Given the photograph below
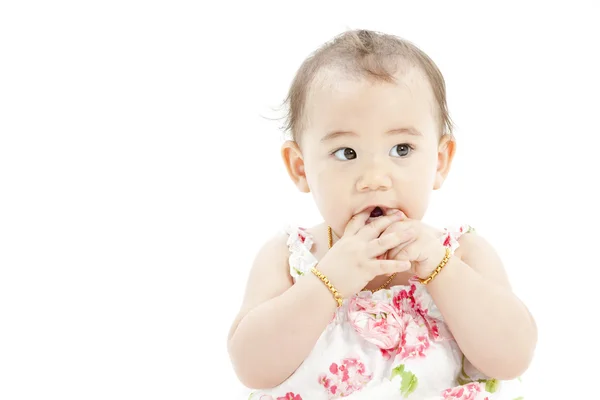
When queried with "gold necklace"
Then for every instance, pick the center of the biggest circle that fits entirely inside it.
(330, 237)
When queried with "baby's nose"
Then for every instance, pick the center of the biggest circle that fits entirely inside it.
(374, 179)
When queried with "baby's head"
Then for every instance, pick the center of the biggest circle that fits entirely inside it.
(369, 127)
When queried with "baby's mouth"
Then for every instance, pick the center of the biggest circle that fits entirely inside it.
(377, 212)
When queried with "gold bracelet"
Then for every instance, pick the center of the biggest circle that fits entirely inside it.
(336, 295)
(438, 269)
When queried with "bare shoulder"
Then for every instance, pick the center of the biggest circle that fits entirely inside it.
(269, 274)
(268, 277)
(478, 253)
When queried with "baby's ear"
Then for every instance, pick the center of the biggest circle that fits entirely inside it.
(294, 163)
(446, 150)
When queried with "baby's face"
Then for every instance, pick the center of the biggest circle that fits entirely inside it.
(371, 144)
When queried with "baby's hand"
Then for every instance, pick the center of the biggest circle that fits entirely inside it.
(425, 251)
(355, 260)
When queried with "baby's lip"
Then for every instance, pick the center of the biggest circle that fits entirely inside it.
(370, 208)
(386, 211)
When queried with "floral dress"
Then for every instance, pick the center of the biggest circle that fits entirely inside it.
(391, 344)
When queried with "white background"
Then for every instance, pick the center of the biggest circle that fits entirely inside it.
(140, 173)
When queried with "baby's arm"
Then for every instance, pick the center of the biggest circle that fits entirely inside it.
(493, 328)
(279, 323)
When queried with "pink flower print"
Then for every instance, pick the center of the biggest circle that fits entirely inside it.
(464, 392)
(465, 229)
(302, 234)
(407, 303)
(288, 396)
(448, 240)
(345, 378)
(413, 345)
(387, 354)
(376, 321)
(419, 328)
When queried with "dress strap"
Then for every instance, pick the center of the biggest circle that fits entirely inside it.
(453, 233)
(299, 243)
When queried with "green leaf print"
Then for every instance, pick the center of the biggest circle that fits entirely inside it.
(491, 385)
(409, 380)
(409, 383)
(397, 371)
(300, 273)
(519, 398)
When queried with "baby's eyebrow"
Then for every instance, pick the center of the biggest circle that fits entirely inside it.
(409, 130)
(336, 134)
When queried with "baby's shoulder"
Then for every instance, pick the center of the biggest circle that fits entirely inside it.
(477, 251)
(274, 247)
(279, 248)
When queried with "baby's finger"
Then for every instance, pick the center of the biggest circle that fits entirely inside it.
(375, 228)
(387, 267)
(355, 223)
(387, 242)
(400, 226)
(401, 252)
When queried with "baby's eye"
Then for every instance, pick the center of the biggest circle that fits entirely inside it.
(401, 150)
(345, 153)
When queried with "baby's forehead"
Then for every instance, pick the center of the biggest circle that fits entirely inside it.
(337, 97)
(333, 83)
